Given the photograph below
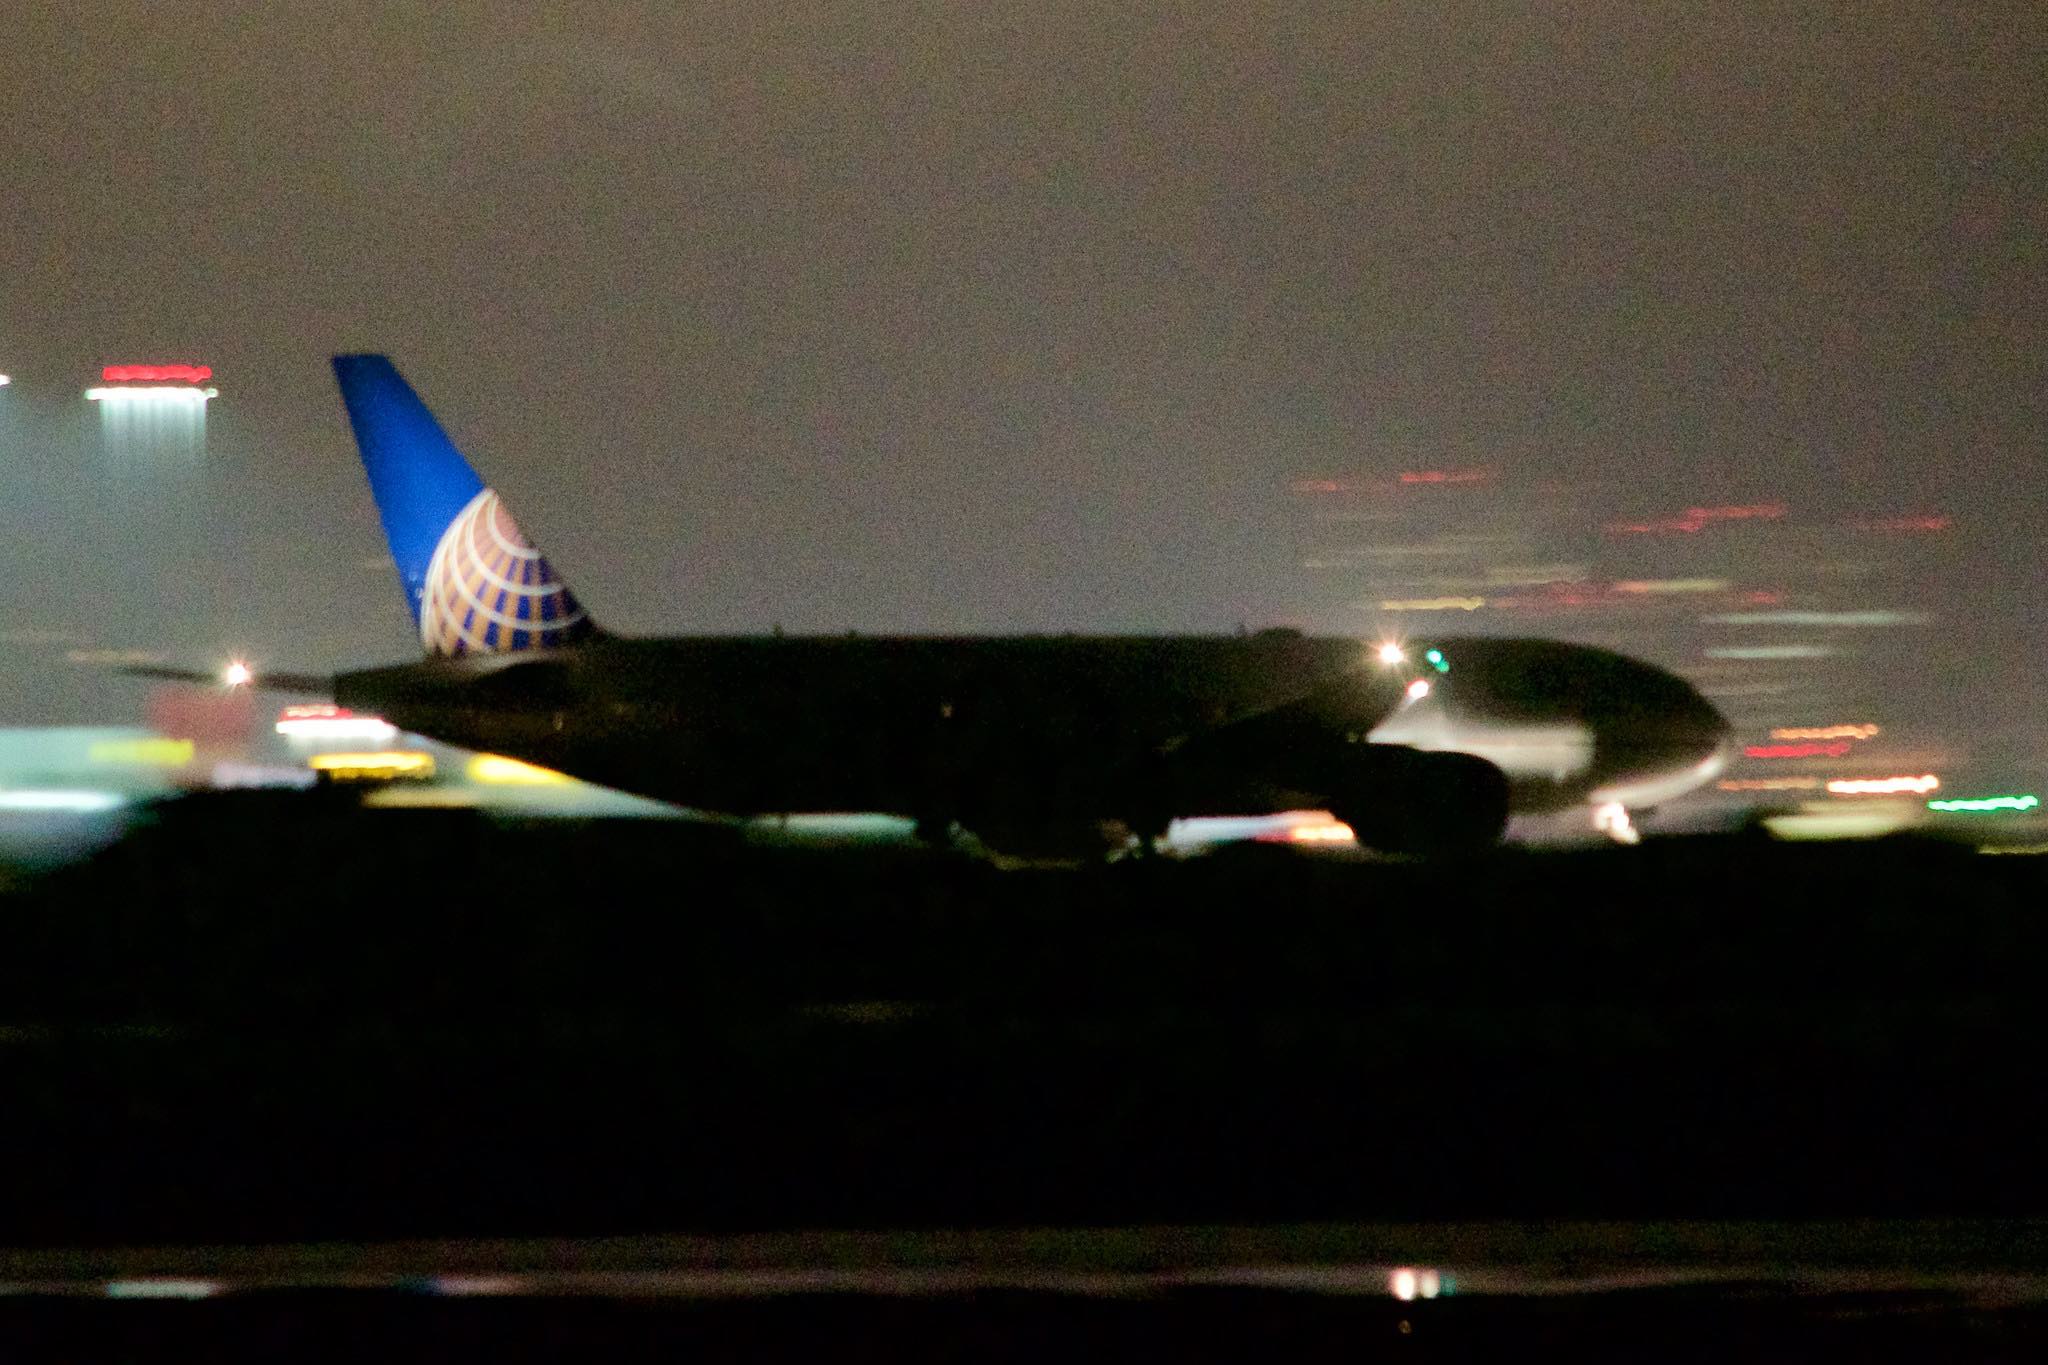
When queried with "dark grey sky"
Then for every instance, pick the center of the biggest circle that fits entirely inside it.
(965, 316)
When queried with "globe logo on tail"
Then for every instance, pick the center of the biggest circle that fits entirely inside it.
(488, 591)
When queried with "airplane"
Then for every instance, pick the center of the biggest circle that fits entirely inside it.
(1035, 743)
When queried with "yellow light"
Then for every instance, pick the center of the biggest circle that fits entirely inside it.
(153, 753)
(1884, 786)
(500, 770)
(1391, 654)
(380, 763)
(1671, 585)
(1825, 732)
(1321, 832)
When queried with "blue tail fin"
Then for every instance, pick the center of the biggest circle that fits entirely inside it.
(474, 583)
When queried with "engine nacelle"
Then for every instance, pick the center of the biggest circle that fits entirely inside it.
(1402, 800)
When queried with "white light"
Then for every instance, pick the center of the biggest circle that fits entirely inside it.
(1611, 819)
(337, 727)
(1418, 689)
(1391, 653)
(1430, 1284)
(124, 393)
(4, 380)
(74, 802)
(1402, 1284)
(237, 674)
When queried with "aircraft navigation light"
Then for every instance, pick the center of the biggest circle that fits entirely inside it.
(1418, 689)
(237, 674)
(1402, 1284)
(1437, 661)
(1391, 654)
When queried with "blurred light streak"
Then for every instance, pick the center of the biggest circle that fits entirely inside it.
(192, 397)
(152, 374)
(166, 1288)
(383, 763)
(1980, 805)
(147, 753)
(1858, 822)
(69, 800)
(1815, 618)
(1904, 524)
(1656, 586)
(1834, 750)
(1884, 786)
(327, 721)
(1770, 652)
(499, 770)
(1768, 784)
(1330, 831)
(1433, 604)
(1445, 476)
(1826, 732)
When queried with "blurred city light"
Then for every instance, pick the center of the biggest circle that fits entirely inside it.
(65, 800)
(156, 374)
(146, 753)
(1769, 652)
(1825, 732)
(1983, 804)
(1884, 786)
(1661, 586)
(1834, 750)
(323, 720)
(1433, 604)
(1815, 618)
(411, 763)
(500, 770)
(1768, 784)
(159, 393)
(1445, 476)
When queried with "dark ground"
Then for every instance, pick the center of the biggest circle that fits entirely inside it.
(273, 1019)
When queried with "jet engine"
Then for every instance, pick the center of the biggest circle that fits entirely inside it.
(1402, 800)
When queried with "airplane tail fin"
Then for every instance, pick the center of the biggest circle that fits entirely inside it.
(474, 583)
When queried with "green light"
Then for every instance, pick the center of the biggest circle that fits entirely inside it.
(1980, 804)
(1437, 661)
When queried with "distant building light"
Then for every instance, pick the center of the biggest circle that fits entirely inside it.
(1981, 804)
(157, 374)
(1884, 786)
(156, 394)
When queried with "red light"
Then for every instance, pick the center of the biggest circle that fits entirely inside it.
(1907, 524)
(156, 374)
(1835, 750)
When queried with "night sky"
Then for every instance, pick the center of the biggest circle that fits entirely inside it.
(977, 317)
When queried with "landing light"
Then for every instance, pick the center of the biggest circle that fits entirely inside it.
(237, 674)
(1391, 654)
(1418, 689)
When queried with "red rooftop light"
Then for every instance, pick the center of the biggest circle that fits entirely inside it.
(157, 374)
